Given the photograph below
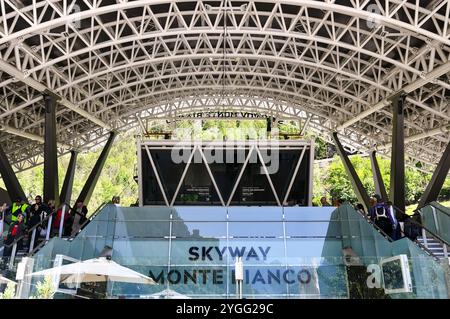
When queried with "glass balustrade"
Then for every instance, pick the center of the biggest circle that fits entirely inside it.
(436, 218)
(295, 252)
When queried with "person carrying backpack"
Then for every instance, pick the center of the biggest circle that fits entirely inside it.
(381, 215)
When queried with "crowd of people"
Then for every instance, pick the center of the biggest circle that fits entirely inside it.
(23, 218)
(391, 221)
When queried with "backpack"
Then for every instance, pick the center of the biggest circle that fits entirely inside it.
(411, 229)
(380, 211)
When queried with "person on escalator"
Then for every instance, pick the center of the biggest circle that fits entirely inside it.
(57, 222)
(380, 214)
(80, 217)
(16, 230)
(396, 229)
(39, 212)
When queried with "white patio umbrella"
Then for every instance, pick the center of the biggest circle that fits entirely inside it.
(167, 294)
(95, 270)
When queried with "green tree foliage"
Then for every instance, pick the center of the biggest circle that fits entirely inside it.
(10, 291)
(116, 178)
(45, 289)
(331, 179)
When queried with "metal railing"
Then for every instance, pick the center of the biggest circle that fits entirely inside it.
(32, 232)
(439, 209)
(93, 215)
(425, 230)
(48, 219)
(368, 220)
(445, 244)
(389, 238)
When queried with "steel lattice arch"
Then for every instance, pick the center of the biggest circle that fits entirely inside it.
(332, 64)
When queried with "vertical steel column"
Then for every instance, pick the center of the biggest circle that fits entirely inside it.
(89, 186)
(9, 177)
(397, 183)
(354, 179)
(377, 178)
(51, 187)
(66, 191)
(437, 180)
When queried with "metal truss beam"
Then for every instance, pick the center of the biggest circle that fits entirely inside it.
(91, 182)
(66, 190)
(333, 60)
(436, 73)
(397, 183)
(29, 136)
(17, 74)
(384, 17)
(9, 178)
(380, 188)
(437, 180)
(358, 187)
(51, 182)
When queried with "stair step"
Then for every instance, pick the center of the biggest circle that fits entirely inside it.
(428, 240)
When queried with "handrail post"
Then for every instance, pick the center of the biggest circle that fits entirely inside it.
(13, 256)
(49, 225)
(435, 219)
(61, 222)
(445, 251)
(33, 236)
(1, 224)
(424, 237)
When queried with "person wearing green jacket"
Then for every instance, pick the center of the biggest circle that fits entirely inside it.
(19, 206)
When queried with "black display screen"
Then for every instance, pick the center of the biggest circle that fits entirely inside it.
(253, 188)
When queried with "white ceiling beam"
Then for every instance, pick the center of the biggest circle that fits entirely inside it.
(33, 137)
(429, 77)
(353, 11)
(20, 76)
(417, 137)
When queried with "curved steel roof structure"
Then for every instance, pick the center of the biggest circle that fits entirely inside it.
(332, 63)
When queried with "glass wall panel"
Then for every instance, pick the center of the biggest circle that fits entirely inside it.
(309, 213)
(256, 252)
(196, 230)
(299, 250)
(262, 280)
(196, 213)
(313, 229)
(143, 228)
(200, 251)
(243, 213)
(194, 253)
(141, 251)
(255, 229)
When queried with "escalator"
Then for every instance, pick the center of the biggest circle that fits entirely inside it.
(436, 236)
(338, 252)
(35, 240)
(371, 246)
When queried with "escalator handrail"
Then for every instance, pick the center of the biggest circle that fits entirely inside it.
(35, 226)
(429, 252)
(438, 208)
(435, 236)
(93, 215)
(368, 220)
(81, 228)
